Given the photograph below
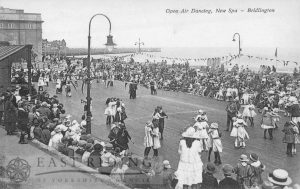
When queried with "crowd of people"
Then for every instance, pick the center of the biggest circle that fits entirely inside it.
(45, 120)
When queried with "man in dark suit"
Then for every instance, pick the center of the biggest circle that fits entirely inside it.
(232, 110)
(228, 182)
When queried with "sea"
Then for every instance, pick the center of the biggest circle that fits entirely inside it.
(287, 58)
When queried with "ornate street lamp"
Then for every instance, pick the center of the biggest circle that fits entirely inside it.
(239, 42)
(109, 45)
(139, 43)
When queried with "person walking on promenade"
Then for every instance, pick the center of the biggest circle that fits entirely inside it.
(189, 171)
(289, 136)
(232, 110)
(161, 121)
(215, 143)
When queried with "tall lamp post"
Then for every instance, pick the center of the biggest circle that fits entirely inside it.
(139, 43)
(110, 45)
(239, 42)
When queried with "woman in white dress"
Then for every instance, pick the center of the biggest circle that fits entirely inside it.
(249, 113)
(189, 171)
(110, 111)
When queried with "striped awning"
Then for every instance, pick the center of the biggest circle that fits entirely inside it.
(6, 51)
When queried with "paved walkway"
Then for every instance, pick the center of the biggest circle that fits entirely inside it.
(46, 172)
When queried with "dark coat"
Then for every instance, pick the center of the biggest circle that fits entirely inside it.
(45, 136)
(123, 138)
(209, 181)
(289, 132)
(44, 112)
(294, 110)
(94, 160)
(10, 112)
(228, 183)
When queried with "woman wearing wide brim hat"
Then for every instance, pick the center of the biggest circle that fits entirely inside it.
(189, 170)
(280, 178)
(215, 143)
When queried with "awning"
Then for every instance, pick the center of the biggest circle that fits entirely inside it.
(6, 51)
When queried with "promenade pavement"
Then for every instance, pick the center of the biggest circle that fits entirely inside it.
(46, 171)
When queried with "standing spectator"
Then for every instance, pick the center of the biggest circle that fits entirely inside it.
(123, 138)
(209, 181)
(23, 123)
(289, 137)
(10, 114)
(257, 170)
(189, 171)
(228, 182)
(231, 112)
(2, 102)
(167, 175)
(243, 172)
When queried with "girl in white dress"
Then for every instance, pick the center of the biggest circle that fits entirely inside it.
(240, 133)
(249, 113)
(201, 127)
(189, 171)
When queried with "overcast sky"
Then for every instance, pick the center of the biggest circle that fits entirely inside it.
(147, 19)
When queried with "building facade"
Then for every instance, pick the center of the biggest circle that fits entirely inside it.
(56, 47)
(20, 28)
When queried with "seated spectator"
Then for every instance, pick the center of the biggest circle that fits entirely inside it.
(87, 153)
(56, 137)
(94, 160)
(45, 135)
(37, 131)
(167, 175)
(63, 146)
